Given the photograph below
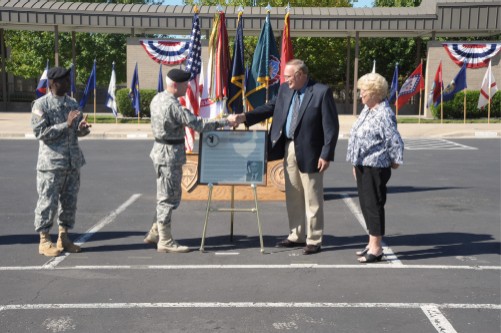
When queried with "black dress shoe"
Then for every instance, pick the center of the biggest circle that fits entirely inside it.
(288, 243)
(311, 249)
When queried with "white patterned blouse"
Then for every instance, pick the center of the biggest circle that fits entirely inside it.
(374, 138)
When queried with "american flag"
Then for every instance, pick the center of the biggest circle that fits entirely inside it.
(193, 65)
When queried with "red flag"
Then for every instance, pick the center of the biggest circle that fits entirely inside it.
(436, 88)
(287, 53)
(413, 85)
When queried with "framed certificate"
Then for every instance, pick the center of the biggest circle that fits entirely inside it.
(232, 157)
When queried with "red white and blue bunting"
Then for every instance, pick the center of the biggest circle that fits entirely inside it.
(475, 55)
(166, 52)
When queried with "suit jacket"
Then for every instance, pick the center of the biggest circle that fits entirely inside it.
(317, 130)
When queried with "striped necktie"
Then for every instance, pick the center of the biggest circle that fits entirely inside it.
(295, 114)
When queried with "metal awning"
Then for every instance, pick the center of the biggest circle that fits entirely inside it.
(440, 18)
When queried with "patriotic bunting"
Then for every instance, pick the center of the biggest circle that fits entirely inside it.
(474, 55)
(166, 52)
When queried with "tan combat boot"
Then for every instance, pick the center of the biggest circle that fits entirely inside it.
(165, 242)
(64, 242)
(46, 247)
(152, 235)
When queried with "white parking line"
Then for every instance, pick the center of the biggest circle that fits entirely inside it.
(89, 233)
(437, 319)
(248, 305)
(388, 252)
(271, 266)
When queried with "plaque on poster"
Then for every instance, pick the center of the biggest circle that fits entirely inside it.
(232, 157)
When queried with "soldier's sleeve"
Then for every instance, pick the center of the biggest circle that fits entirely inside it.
(200, 124)
(42, 128)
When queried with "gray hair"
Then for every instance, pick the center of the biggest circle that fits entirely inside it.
(168, 81)
(300, 65)
(374, 84)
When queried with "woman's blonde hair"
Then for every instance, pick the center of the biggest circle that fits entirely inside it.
(374, 84)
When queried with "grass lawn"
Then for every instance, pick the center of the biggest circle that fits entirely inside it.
(415, 120)
(109, 119)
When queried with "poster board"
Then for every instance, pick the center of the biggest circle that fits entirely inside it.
(232, 157)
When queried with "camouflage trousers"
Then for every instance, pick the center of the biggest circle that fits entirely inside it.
(168, 191)
(57, 194)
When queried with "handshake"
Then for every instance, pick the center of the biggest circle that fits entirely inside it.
(236, 119)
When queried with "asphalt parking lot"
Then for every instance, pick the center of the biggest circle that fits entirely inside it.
(441, 272)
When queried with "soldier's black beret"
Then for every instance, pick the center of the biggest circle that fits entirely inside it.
(178, 75)
(58, 73)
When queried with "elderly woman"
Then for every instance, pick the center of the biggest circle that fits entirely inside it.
(375, 147)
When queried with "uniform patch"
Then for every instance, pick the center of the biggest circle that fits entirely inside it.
(38, 112)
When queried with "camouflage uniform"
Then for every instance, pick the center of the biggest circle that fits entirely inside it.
(59, 161)
(168, 122)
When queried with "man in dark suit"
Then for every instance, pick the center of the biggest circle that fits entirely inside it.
(304, 133)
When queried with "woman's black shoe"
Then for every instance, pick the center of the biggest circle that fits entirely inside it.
(369, 257)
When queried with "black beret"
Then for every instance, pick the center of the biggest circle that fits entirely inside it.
(178, 75)
(58, 73)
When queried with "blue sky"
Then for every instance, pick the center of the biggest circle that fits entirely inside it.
(360, 3)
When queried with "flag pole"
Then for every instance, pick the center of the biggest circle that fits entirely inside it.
(464, 105)
(489, 100)
(441, 103)
(244, 103)
(420, 95)
(268, 10)
(95, 74)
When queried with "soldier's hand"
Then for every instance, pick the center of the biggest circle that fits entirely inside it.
(72, 116)
(84, 124)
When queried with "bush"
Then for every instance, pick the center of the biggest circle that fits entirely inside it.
(454, 109)
(125, 106)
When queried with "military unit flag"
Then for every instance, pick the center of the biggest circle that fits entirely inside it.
(394, 86)
(488, 89)
(436, 88)
(286, 52)
(237, 84)
(412, 86)
(91, 86)
(457, 84)
(111, 102)
(134, 93)
(160, 84)
(73, 88)
(264, 73)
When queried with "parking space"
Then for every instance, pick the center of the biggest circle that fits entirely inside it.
(441, 273)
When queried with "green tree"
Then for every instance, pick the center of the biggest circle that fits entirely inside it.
(325, 57)
(29, 51)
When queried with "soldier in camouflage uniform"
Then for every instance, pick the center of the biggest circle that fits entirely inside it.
(57, 124)
(168, 121)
